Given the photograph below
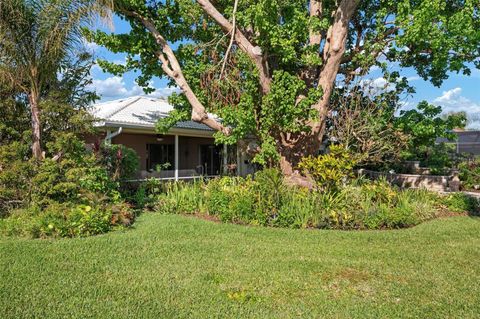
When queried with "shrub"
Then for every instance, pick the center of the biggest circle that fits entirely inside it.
(266, 200)
(470, 173)
(270, 190)
(120, 161)
(70, 194)
(181, 197)
(87, 220)
(460, 203)
(329, 170)
(16, 172)
(67, 220)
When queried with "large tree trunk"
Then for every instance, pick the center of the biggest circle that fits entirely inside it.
(293, 148)
(36, 127)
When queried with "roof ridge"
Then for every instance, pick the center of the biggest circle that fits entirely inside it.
(133, 100)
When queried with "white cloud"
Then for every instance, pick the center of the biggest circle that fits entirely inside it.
(164, 92)
(453, 101)
(115, 87)
(413, 78)
(376, 86)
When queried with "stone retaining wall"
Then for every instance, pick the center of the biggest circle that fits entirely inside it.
(431, 182)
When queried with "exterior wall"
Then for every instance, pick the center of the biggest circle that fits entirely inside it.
(189, 147)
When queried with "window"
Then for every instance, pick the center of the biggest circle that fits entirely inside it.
(160, 155)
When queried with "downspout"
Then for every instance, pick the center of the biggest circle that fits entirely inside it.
(110, 135)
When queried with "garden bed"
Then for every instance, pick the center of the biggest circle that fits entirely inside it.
(267, 201)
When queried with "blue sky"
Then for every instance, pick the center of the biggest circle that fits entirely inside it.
(458, 93)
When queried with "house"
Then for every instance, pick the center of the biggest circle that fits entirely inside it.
(466, 142)
(185, 152)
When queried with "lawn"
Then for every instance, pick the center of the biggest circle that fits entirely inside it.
(175, 266)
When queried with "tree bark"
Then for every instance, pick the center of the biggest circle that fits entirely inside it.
(36, 126)
(334, 50)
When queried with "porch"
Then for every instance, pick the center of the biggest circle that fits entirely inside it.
(179, 157)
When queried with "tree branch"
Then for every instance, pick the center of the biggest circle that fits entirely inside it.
(315, 37)
(232, 37)
(384, 37)
(172, 68)
(310, 73)
(254, 52)
(333, 52)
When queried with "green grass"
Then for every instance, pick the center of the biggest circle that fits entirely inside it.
(175, 266)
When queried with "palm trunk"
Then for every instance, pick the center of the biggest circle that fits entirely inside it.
(36, 128)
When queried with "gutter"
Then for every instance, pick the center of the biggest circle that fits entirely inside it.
(110, 135)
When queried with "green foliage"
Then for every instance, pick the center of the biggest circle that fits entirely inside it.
(461, 203)
(179, 197)
(72, 195)
(424, 125)
(16, 172)
(266, 200)
(280, 31)
(76, 171)
(329, 170)
(67, 220)
(120, 161)
(470, 173)
(440, 158)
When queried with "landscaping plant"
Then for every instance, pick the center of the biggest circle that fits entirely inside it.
(265, 199)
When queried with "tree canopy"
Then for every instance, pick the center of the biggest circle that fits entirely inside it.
(36, 40)
(271, 69)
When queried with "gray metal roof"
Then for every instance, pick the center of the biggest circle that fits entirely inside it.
(139, 111)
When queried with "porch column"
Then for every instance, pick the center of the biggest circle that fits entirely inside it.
(176, 157)
(225, 160)
(239, 171)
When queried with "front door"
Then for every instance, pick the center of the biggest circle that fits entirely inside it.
(211, 159)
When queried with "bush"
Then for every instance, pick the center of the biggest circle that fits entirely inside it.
(70, 194)
(461, 203)
(329, 170)
(67, 220)
(16, 172)
(182, 197)
(120, 161)
(470, 173)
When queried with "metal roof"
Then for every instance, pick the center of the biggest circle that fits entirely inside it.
(139, 111)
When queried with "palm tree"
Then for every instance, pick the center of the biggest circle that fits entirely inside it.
(36, 36)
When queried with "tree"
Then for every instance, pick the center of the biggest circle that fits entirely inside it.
(424, 125)
(64, 106)
(270, 68)
(36, 37)
(364, 122)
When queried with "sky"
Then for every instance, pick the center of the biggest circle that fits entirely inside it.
(457, 93)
